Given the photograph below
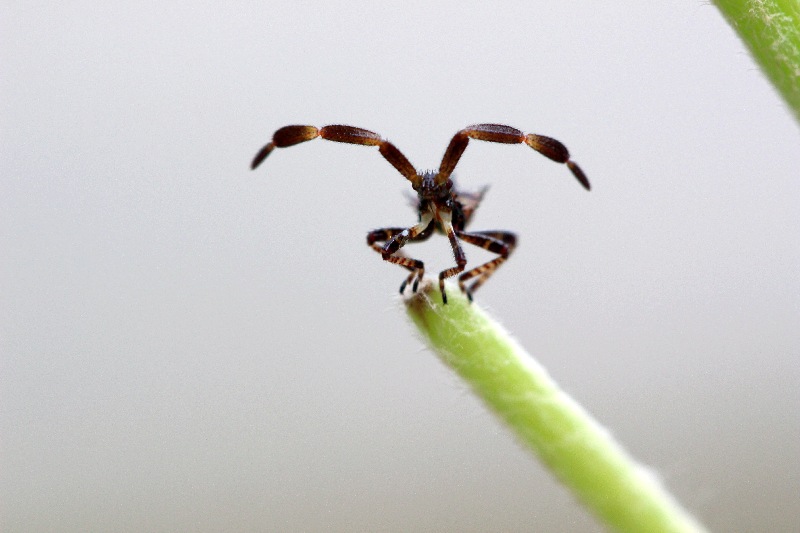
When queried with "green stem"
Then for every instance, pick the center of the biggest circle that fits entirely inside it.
(771, 30)
(566, 438)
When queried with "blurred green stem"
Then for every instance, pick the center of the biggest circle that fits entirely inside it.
(771, 30)
(581, 453)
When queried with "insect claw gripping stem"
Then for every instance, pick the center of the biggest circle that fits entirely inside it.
(440, 207)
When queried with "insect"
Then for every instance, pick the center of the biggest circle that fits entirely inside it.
(440, 206)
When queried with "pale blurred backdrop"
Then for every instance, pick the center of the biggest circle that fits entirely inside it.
(191, 346)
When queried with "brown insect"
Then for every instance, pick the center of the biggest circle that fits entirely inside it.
(440, 206)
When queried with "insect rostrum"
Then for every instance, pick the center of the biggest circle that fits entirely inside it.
(440, 206)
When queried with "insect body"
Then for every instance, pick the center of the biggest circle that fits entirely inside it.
(440, 206)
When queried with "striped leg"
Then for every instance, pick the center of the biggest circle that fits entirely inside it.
(501, 243)
(383, 235)
(395, 239)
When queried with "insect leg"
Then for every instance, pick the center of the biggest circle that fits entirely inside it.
(501, 243)
(383, 235)
(458, 254)
(395, 239)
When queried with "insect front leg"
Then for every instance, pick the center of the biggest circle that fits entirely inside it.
(501, 243)
(396, 238)
(383, 235)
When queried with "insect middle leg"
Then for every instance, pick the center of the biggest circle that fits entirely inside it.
(501, 243)
(458, 254)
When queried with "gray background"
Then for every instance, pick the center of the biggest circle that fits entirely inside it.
(190, 346)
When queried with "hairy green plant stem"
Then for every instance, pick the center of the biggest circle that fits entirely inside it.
(566, 438)
(771, 30)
